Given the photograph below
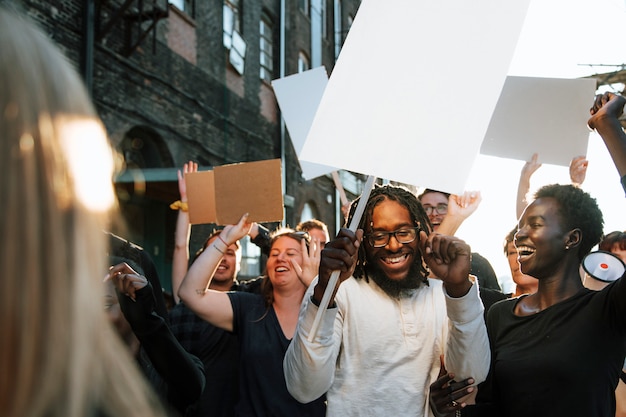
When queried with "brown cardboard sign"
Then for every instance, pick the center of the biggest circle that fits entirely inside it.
(223, 195)
(201, 197)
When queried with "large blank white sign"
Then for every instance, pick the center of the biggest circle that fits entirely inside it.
(414, 87)
(299, 97)
(544, 115)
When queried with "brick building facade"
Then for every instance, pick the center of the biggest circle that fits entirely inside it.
(172, 83)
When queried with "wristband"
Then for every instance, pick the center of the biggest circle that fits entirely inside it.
(217, 249)
(223, 241)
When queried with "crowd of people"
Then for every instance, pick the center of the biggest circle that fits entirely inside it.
(416, 325)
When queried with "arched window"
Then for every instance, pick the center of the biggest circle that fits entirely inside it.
(142, 147)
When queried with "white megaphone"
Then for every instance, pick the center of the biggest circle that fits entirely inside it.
(603, 266)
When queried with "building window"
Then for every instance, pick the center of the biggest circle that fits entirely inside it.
(318, 8)
(340, 34)
(305, 6)
(324, 19)
(187, 6)
(250, 259)
(233, 41)
(232, 16)
(265, 46)
(338, 28)
(303, 62)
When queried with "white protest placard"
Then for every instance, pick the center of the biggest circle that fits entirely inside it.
(544, 115)
(298, 97)
(414, 87)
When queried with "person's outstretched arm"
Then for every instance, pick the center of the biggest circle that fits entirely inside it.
(180, 257)
(523, 187)
(210, 305)
(181, 371)
(460, 207)
(467, 345)
(578, 170)
(260, 236)
(606, 111)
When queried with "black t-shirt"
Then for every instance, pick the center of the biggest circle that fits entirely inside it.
(565, 360)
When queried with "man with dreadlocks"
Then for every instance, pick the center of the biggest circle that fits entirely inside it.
(379, 343)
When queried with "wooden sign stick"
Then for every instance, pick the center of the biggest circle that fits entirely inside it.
(334, 277)
(339, 187)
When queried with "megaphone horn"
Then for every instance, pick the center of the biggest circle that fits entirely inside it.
(604, 266)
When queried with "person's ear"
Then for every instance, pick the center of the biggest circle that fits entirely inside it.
(574, 237)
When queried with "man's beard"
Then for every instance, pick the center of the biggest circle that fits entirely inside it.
(396, 288)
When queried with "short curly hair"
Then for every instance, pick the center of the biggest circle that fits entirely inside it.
(578, 210)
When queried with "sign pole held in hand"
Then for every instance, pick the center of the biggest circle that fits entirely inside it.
(339, 187)
(334, 277)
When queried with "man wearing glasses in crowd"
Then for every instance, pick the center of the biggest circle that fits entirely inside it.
(446, 213)
(379, 343)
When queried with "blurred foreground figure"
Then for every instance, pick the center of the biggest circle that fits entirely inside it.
(59, 355)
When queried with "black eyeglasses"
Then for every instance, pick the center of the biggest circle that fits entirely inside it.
(441, 208)
(404, 235)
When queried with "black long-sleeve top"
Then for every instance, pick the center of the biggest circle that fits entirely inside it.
(177, 376)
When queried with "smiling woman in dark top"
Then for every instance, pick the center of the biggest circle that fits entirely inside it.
(264, 323)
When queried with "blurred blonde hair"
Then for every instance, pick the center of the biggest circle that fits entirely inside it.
(59, 355)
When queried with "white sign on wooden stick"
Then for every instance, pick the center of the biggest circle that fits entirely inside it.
(544, 115)
(299, 96)
(414, 87)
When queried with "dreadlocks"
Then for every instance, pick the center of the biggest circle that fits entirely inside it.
(418, 217)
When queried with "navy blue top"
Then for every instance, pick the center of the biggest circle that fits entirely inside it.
(262, 344)
(219, 352)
